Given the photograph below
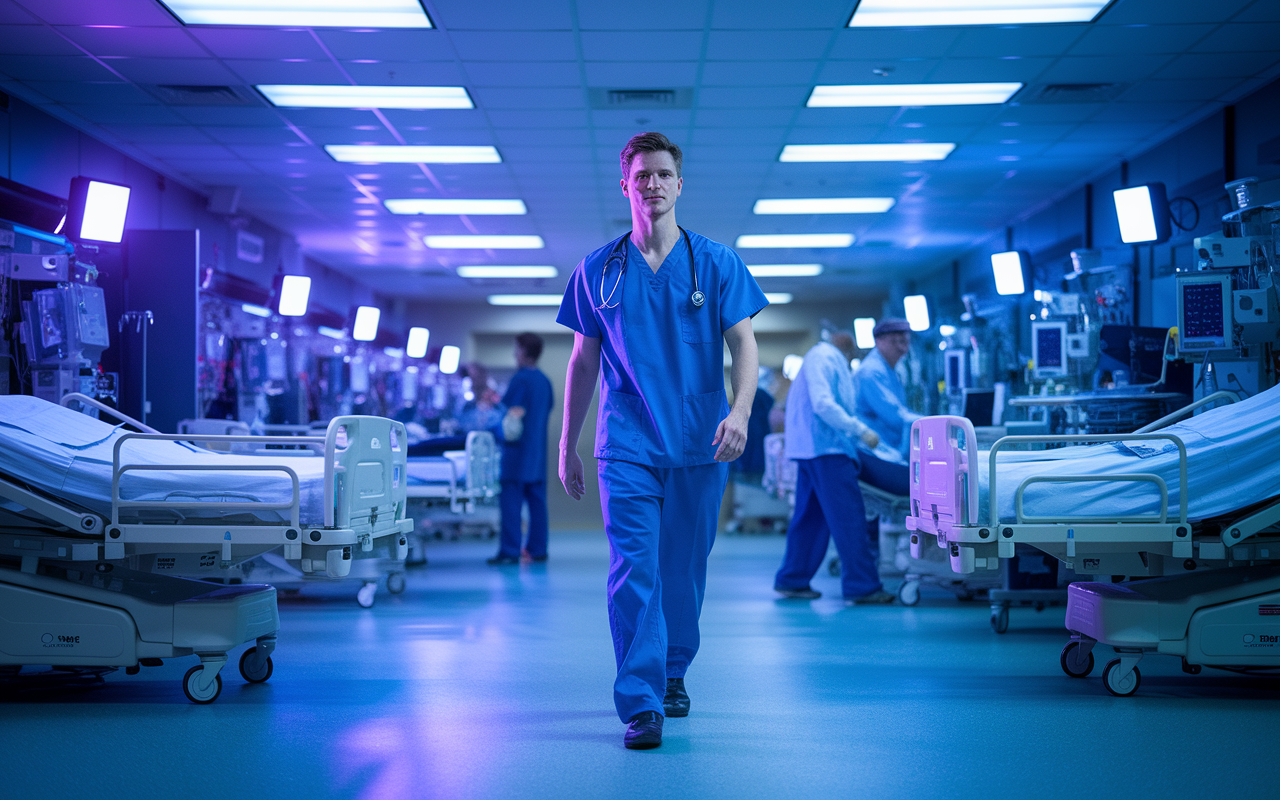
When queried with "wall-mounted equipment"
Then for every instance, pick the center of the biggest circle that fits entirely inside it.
(1049, 346)
(1143, 213)
(1204, 312)
(1010, 269)
(96, 210)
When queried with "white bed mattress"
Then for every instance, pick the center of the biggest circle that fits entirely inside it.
(69, 455)
(1233, 461)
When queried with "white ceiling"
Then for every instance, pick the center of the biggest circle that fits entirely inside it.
(530, 68)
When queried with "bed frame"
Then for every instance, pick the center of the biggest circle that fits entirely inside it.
(944, 505)
(479, 479)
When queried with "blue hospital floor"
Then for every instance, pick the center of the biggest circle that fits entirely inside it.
(496, 683)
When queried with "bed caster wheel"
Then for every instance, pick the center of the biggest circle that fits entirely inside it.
(1118, 687)
(833, 567)
(1075, 664)
(909, 593)
(1000, 619)
(395, 582)
(254, 669)
(191, 686)
(366, 595)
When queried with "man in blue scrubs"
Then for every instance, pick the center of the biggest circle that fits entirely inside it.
(523, 434)
(882, 400)
(823, 438)
(653, 311)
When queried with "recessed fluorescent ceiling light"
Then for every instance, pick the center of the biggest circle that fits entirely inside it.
(925, 13)
(795, 240)
(825, 205)
(778, 298)
(425, 205)
(450, 355)
(507, 272)
(413, 154)
(785, 270)
(525, 299)
(935, 151)
(365, 328)
(911, 94)
(416, 347)
(309, 14)
(470, 242)
(412, 97)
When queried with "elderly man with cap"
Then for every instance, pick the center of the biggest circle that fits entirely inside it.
(823, 438)
(882, 400)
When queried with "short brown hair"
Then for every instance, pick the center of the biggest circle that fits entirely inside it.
(530, 344)
(650, 142)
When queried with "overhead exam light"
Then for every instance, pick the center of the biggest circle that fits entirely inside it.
(863, 334)
(309, 14)
(911, 94)
(408, 97)
(925, 13)
(450, 355)
(1009, 271)
(417, 344)
(917, 309)
(365, 328)
(96, 210)
(1143, 212)
(295, 291)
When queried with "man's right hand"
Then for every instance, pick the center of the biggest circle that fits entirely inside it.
(870, 438)
(571, 474)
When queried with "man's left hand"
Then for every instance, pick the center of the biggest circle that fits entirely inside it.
(731, 435)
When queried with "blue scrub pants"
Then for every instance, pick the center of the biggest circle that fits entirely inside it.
(661, 523)
(828, 506)
(514, 495)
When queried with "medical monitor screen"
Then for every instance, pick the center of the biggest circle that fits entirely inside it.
(1202, 310)
(1049, 347)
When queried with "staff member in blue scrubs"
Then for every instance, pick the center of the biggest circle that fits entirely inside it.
(882, 400)
(524, 454)
(653, 310)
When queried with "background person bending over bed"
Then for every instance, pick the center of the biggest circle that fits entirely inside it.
(823, 434)
(882, 400)
(523, 433)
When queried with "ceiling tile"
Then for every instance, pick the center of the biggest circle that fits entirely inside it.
(1047, 40)
(1164, 91)
(764, 45)
(537, 73)
(329, 117)
(980, 70)
(1239, 38)
(648, 47)
(407, 45)
(103, 12)
(1150, 12)
(674, 15)
(159, 134)
(546, 15)
(542, 137)
(219, 115)
(893, 44)
(54, 68)
(770, 15)
(180, 71)
(1103, 69)
(38, 40)
(488, 97)
(1260, 11)
(1204, 65)
(165, 42)
(514, 46)
(406, 73)
(278, 71)
(856, 72)
(231, 135)
(763, 97)
(258, 43)
(1108, 39)
(537, 118)
(105, 114)
(102, 92)
(755, 73)
(622, 75)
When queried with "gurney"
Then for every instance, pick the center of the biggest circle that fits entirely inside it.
(457, 490)
(98, 521)
(1176, 502)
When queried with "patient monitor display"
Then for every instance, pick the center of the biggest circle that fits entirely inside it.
(1204, 312)
(1049, 340)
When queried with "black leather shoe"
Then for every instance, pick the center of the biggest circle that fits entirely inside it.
(676, 703)
(501, 560)
(644, 731)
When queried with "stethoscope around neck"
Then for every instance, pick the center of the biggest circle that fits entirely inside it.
(619, 254)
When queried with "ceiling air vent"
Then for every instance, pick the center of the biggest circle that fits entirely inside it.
(630, 99)
(183, 95)
(1072, 93)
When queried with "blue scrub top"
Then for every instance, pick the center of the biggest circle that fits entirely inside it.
(882, 401)
(662, 359)
(526, 458)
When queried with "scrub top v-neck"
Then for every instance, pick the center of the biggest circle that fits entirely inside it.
(662, 358)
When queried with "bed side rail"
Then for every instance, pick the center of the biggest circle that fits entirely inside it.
(1169, 419)
(484, 465)
(944, 492)
(365, 474)
(86, 400)
(993, 491)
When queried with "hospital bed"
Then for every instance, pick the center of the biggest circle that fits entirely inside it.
(98, 523)
(927, 568)
(456, 490)
(1192, 502)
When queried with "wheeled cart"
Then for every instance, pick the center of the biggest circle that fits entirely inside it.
(101, 616)
(1226, 618)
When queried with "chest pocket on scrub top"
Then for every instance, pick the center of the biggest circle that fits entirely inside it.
(699, 325)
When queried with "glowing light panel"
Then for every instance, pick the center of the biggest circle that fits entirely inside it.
(525, 299)
(917, 309)
(295, 291)
(1007, 268)
(795, 240)
(417, 344)
(411, 97)
(450, 355)
(863, 335)
(366, 325)
(785, 270)
(425, 205)
(413, 154)
(926, 13)
(507, 272)
(473, 242)
(911, 151)
(308, 14)
(825, 205)
(911, 94)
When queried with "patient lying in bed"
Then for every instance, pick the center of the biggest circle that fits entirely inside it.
(1233, 461)
(69, 455)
